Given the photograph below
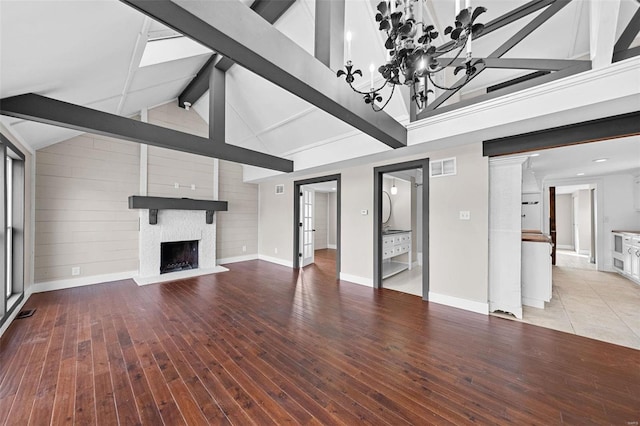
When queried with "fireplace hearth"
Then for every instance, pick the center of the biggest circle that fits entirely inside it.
(178, 256)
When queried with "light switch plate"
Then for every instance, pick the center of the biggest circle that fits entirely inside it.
(465, 215)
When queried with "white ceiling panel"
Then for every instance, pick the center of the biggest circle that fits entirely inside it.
(152, 96)
(155, 75)
(623, 156)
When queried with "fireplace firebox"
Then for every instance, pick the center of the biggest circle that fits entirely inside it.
(178, 256)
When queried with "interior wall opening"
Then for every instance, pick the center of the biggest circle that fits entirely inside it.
(401, 193)
(317, 225)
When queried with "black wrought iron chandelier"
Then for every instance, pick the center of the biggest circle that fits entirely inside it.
(412, 55)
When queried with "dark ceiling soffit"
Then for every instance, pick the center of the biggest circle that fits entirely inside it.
(571, 134)
(629, 33)
(58, 113)
(505, 47)
(576, 69)
(271, 11)
(262, 49)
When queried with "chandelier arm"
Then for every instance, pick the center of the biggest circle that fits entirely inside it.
(442, 67)
(393, 88)
(370, 91)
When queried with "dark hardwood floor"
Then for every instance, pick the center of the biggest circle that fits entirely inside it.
(262, 344)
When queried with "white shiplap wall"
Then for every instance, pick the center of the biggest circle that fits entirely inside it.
(82, 190)
(238, 227)
(82, 215)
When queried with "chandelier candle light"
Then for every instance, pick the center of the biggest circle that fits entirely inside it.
(412, 57)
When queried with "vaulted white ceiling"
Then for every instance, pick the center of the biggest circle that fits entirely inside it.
(89, 52)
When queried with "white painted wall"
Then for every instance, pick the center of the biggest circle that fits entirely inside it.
(459, 259)
(584, 221)
(564, 221)
(333, 219)
(82, 190)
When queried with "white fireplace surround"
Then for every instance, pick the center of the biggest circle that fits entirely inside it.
(176, 225)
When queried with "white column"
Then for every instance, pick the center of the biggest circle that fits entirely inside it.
(603, 24)
(505, 234)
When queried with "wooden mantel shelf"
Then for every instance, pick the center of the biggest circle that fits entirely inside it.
(163, 203)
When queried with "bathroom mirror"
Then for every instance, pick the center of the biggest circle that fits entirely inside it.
(386, 207)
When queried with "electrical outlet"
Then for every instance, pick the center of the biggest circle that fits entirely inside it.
(276, 250)
(193, 186)
(244, 249)
(176, 185)
(75, 270)
(465, 215)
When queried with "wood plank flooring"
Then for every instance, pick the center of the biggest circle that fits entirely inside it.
(262, 344)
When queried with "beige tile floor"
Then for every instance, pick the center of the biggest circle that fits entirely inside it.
(599, 305)
(407, 281)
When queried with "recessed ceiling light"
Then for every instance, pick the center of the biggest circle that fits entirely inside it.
(579, 174)
(535, 155)
(600, 160)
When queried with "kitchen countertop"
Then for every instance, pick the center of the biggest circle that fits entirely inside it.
(626, 232)
(535, 237)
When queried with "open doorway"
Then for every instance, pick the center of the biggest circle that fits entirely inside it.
(575, 226)
(401, 227)
(317, 224)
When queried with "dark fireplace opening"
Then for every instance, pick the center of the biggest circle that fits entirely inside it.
(178, 256)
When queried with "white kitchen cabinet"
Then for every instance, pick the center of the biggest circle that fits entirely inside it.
(531, 211)
(536, 273)
(626, 254)
(394, 245)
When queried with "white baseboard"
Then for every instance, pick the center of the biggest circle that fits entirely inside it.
(172, 276)
(356, 279)
(565, 247)
(82, 281)
(275, 260)
(235, 259)
(534, 303)
(332, 246)
(456, 302)
(15, 312)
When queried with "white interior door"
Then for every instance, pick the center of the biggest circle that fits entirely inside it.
(306, 232)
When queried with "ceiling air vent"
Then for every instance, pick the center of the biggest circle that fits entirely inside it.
(444, 167)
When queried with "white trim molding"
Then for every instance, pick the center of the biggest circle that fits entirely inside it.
(16, 311)
(456, 302)
(356, 279)
(282, 262)
(79, 282)
(236, 259)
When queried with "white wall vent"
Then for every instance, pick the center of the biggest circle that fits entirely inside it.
(280, 189)
(444, 167)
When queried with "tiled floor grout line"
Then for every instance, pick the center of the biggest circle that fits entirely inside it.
(615, 312)
(566, 313)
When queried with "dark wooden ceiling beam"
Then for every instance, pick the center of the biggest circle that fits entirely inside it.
(629, 34)
(521, 64)
(229, 28)
(271, 11)
(587, 131)
(329, 33)
(58, 113)
(505, 47)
